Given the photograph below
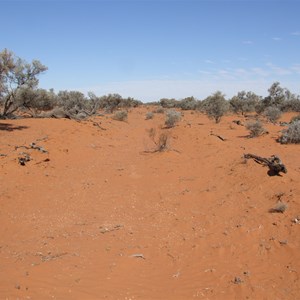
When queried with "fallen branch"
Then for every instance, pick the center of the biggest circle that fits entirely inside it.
(218, 136)
(274, 163)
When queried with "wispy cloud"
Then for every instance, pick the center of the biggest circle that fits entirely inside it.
(296, 68)
(276, 39)
(208, 61)
(278, 70)
(247, 42)
(260, 71)
(295, 33)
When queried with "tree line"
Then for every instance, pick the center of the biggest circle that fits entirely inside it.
(19, 92)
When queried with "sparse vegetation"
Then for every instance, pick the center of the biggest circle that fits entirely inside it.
(161, 142)
(272, 114)
(256, 128)
(280, 207)
(294, 119)
(149, 115)
(172, 117)
(120, 115)
(292, 134)
(159, 110)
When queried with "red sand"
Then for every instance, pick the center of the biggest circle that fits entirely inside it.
(105, 218)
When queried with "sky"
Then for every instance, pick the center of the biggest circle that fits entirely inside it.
(153, 49)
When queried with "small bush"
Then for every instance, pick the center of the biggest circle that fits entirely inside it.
(280, 207)
(161, 143)
(159, 110)
(256, 128)
(292, 134)
(172, 117)
(272, 114)
(120, 115)
(149, 115)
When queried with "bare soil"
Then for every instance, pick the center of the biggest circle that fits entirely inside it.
(103, 215)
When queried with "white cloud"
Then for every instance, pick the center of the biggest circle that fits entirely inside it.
(247, 42)
(276, 39)
(295, 33)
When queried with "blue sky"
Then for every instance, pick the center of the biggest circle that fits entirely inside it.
(150, 49)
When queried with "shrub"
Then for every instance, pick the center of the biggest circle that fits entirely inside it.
(296, 118)
(256, 128)
(280, 207)
(172, 117)
(292, 134)
(272, 114)
(120, 115)
(215, 106)
(161, 143)
(159, 110)
(189, 103)
(149, 115)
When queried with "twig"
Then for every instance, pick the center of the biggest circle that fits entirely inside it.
(218, 136)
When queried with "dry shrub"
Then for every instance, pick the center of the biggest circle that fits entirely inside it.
(161, 142)
(273, 114)
(120, 115)
(172, 117)
(149, 115)
(280, 207)
(256, 128)
(292, 134)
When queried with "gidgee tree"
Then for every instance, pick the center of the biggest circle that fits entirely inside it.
(16, 74)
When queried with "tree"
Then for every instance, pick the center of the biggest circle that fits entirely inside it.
(16, 74)
(215, 106)
(244, 102)
(277, 95)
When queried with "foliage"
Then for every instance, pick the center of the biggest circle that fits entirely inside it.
(272, 114)
(292, 134)
(159, 110)
(256, 128)
(215, 106)
(244, 102)
(189, 103)
(168, 103)
(120, 115)
(294, 119)
(149, 115)
(16, 74)
(172, 117)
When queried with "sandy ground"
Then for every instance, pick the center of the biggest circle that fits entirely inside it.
(100, 215)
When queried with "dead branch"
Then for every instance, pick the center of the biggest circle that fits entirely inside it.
(274, 163)
(218, 136)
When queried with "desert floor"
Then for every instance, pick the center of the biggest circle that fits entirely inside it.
(102, 215)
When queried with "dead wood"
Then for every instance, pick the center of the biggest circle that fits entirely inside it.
(274, 163)
(218, 136)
